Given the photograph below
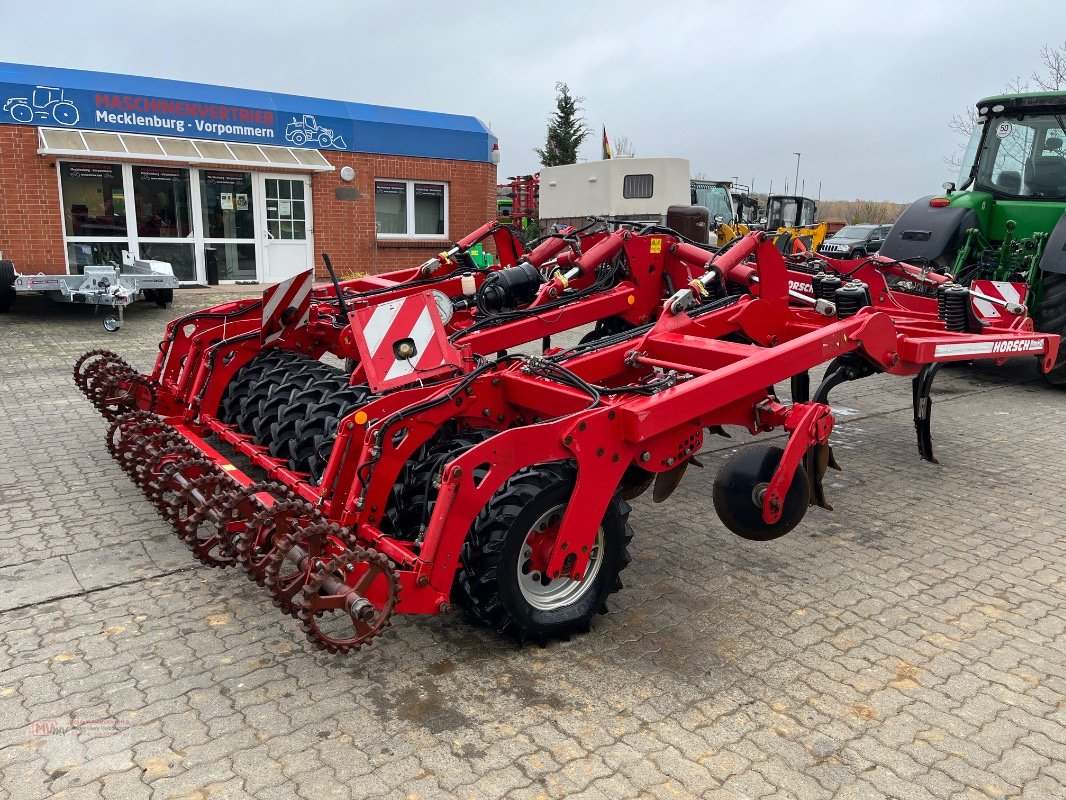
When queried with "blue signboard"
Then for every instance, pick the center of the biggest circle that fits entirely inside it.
(61, 98)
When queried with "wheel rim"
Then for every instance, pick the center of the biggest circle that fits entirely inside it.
(544, 593)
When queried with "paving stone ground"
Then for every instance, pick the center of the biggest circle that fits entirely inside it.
(909, 644)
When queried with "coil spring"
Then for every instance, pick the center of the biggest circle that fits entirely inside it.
(850, 298)
(827, 287)
(951, 302)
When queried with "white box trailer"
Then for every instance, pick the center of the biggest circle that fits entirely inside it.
(638, 189)
(633, 188)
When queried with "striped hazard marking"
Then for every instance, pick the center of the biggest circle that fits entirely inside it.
(1002, 290)
(402, 341)
(286, 305)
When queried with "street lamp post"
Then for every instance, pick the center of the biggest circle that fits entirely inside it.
(796, 182)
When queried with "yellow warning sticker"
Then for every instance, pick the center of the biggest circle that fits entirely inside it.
(228, 467)
(656, 245)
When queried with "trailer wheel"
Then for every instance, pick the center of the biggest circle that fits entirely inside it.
(1051, 318)
(112, 323)
(499, 582)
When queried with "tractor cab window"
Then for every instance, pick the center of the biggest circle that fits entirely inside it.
(1024, 157)
(807, 212)
(716, 200)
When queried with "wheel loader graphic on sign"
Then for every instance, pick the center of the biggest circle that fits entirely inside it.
(304, 130)
(47, 103)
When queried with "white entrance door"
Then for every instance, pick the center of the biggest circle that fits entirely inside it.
(288, 247)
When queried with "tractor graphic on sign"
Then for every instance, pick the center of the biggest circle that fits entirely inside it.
(47, 103)
(307, 129)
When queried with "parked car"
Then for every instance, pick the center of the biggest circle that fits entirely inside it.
(855, 241)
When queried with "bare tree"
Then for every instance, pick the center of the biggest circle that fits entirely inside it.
(623, 147)
(1054, 75)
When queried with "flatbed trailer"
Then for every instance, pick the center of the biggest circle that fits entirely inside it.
(112, 286)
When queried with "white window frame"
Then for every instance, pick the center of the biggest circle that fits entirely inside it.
(411, 235)
(197, 238)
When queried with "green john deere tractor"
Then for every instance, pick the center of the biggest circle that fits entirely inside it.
(1005, 221)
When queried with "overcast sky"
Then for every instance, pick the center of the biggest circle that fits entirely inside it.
(864, 90)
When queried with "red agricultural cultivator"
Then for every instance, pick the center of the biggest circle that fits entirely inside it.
(437, 468)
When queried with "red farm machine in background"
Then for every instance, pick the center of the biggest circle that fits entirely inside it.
(438, 468)
(516, 204)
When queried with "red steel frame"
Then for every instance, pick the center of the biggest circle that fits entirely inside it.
(722, 358)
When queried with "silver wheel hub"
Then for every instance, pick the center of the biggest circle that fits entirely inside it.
(545, 593)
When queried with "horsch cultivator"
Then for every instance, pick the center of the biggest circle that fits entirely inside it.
(425, 473)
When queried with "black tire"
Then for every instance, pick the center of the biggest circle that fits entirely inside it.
(604, 328)
(316, 432)
(267, 395)
(415, 492)
(858, 253)
(1051, 318)
(7, 286)
(487, 582)
(241, 383)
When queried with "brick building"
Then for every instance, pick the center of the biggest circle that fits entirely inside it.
(228, 184)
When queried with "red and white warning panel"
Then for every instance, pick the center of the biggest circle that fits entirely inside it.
(403, 341)
(287, 305)
(998, 301)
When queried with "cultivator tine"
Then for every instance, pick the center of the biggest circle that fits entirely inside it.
(801, 387)
(818, 458)
(923, 410)
(348, 601)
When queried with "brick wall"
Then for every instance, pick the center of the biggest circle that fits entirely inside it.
(31, 222)
(347, 229)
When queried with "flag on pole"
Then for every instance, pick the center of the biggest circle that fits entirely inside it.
(606, 145)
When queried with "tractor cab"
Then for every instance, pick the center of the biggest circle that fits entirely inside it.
(789, 211)
(715, 197)
(1017, 150)
(1001, 231)
(745, 205)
